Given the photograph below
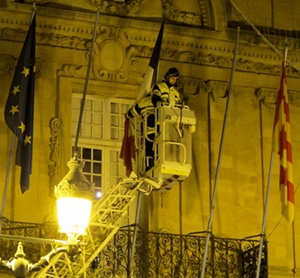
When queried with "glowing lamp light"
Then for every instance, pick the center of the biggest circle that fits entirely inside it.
(74, 196)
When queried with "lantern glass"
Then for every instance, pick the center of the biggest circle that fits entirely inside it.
(73, 214)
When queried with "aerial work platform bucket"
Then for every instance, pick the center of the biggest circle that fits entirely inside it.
(172, 143)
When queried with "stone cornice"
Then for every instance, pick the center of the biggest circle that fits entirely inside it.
(201, 48)
(196, 51)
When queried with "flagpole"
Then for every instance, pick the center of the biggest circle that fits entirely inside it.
(265, 216)
(263, 228)
(154, 61)
(4, 195)
(293, 224)
(209, 226)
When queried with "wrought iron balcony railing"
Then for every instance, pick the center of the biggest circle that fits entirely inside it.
(155, 254)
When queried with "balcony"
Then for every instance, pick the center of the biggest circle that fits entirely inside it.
(156, 254)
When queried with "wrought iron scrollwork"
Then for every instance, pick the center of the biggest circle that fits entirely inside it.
(155, 254)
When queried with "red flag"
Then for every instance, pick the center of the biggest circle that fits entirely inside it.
(128, 150)
(283, 147)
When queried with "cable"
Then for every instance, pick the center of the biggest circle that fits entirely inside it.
(279, 53)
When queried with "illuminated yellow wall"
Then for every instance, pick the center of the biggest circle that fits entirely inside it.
(204, 58)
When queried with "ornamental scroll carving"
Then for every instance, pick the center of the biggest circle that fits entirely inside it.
(218, 90)
(112, 60)
(268, 97)
(7, 62)
(113, 54)
(55, 147)
(188, 12)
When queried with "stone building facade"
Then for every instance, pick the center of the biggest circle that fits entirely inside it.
(200, 40)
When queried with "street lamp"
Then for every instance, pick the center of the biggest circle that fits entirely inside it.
(74, 193)
(74, 196)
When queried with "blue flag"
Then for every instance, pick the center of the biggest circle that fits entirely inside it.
(20, 106)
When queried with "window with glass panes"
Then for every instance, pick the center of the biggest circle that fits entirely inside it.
(100, 138)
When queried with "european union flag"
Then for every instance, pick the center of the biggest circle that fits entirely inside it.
(20, 106)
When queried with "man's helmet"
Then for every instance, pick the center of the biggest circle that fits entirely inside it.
(171, 72)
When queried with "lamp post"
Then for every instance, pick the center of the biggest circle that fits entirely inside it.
(74, 193)
(74, 196)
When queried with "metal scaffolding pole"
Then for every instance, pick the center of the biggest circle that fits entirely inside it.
(212, 208)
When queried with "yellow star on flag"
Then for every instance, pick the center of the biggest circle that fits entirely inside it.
(26, 71)
(16, 90)
(27, 140)
(22, 127)
(14, 109)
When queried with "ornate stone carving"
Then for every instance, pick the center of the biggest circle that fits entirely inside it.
(113, 54)
(55, 148)
(245, 64)
(72, 70)
(268, 96)
(218, 90)
(7, 62)
(40, 65)
(194, 12)
(190, 88)
(191, 12)
(49, 38)
(294, 97)
(74, 42)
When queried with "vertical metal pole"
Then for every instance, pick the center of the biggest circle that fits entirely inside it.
(209, 226)
(137, 218)
(263, 228)
(4, 195)
(86, 84)
(294, 250)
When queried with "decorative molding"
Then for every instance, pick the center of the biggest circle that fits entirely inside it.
(40, 65)
(52, 39)
(55, 148)
(7, 62)
(73, 42)
(217, 90)
(113, 54)
(268, 97)
(72, 71)
(197, 17)
(115, 41)
(244, 64)
(191, 88)
(183, 15)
